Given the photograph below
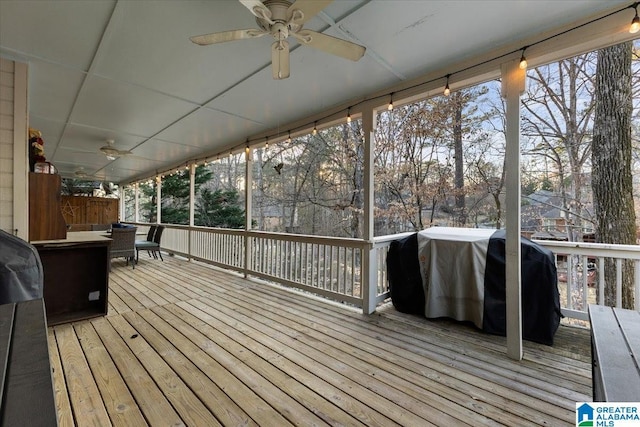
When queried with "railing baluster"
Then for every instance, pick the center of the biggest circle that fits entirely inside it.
(618, 282)
(585, 280)
(331, 268)
(636, 296)
(569, 280)
(601, 280)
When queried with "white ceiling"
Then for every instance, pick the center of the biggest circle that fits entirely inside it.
(126, 70)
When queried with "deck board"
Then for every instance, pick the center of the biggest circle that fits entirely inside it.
(184, 343)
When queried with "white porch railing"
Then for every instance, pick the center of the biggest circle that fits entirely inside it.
(577, 289)
(337, 268)
(331, 267)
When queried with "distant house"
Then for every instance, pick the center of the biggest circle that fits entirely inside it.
(544, 217)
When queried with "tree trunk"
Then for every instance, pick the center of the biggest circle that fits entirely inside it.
(611, 158)
(461, 214)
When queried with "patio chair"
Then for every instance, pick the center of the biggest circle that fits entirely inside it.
(123, 244)
(150, 234)
(151, 246)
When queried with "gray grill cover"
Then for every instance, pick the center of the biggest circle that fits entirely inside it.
(21, 275)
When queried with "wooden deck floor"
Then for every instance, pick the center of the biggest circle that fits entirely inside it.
(187, 344)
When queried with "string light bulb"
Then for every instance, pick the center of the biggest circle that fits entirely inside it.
(315, 130)
(523, 60)
(266, 143)
(390, 106)
(349, 115)
(635, 22)
(289, 137)
(447, 91)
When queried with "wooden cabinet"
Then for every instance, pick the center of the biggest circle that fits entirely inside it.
(45, 212)
(76, 276)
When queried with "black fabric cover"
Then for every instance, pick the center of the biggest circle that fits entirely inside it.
(403, 272)
(21, 274)
(540, 298)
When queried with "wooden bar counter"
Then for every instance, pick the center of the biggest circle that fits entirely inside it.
(76, 276)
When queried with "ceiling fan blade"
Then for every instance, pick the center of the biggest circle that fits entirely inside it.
(258, 9)
(330, 44)
(303, 10)
(226, 36)
(280, 59)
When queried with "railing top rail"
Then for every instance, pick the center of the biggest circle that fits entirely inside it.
(304, 238)
(595, 249)
(391, 237)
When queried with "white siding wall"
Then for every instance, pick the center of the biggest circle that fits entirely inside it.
(13, 148)
(6, 144)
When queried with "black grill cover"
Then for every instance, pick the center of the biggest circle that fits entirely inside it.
(403, 272)
(21, 275)
(540, 298)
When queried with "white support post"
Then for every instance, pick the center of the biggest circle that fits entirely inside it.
(513, 81)
(121, 206)
(369, 282)
(158, 200)
(248, 185)
(192, 202)
(136, 213)
(192, 194)
(20, 151)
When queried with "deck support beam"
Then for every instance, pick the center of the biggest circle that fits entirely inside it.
(513, 81)
(248, 197)
(136, 190)
(158, 200)
(192, 203)
(369, 282)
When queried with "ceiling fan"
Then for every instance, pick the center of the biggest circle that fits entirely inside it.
(112, 152)
(281, 19)
(81, 174)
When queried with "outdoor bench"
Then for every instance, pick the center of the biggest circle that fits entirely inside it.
(615, 354)
(26, 386)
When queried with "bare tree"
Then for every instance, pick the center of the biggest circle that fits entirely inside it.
(611, 156)
(558, 121)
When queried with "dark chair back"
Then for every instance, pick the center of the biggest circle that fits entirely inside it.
(158, 235)
(151, 233)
